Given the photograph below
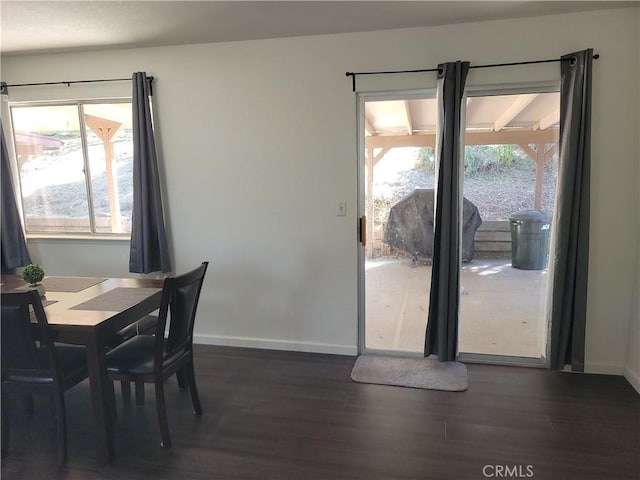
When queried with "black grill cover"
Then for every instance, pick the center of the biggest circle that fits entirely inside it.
(410, 225)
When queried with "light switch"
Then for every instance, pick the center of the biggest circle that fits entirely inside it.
(342, 209)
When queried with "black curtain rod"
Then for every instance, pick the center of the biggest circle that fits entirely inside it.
(353, 75)
(68, 83)
(531, 62)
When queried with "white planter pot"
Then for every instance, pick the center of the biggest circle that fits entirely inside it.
(39, 288)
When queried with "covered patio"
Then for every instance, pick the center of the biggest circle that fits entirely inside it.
(530, 121)
(501, 308)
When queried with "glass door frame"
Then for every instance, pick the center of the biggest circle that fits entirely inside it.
(361, 99)
(507, 360)
(470, 91)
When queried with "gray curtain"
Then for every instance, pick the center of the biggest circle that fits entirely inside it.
(149, 248)
(12, 242)
(442, 326)
(571, 249)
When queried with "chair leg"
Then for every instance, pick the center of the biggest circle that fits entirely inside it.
(61, 426)
(112, 404)
(181, 381)
(191, 379)
(125, 390)
(139, 393)
(4, 445)
(163, 421)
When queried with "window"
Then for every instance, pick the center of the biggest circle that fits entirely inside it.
(75, 164)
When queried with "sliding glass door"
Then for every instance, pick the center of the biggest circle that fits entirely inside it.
(510, 177)
(397, 179)
(510, 169)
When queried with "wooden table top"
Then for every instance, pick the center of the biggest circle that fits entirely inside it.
(62, 312)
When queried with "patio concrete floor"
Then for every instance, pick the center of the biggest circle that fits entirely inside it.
(501, 307)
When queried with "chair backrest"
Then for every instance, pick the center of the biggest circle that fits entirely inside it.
(178, 306)
(27, 349)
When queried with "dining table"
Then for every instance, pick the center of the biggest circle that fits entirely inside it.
(89, 311)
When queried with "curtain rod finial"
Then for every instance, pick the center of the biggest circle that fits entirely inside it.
(348, 74)
(596, 56)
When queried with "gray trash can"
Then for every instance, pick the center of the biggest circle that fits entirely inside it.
(530, 239)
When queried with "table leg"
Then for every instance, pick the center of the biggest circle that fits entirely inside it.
(101, 399)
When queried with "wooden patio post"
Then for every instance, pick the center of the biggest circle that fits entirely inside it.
(105, 130)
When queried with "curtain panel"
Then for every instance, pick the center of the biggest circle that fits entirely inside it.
(12, 242)
(149, 248)
(571, 223)
(442, 325)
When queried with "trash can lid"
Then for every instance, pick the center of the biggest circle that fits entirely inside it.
(531, 215)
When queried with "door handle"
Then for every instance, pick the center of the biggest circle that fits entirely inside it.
(362, 230)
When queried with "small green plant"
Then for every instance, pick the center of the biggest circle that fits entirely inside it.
(33, 274)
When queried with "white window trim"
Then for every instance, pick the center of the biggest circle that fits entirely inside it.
(17, 180)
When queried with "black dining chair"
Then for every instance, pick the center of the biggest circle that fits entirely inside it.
(154, 358)
(145, 326)
(32, 364)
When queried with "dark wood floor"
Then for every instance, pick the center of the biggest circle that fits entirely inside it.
(297, 416)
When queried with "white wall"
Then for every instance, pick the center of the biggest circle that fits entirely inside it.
(632, 369)
(259, 144)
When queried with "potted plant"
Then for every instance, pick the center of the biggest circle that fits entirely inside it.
(33, 275)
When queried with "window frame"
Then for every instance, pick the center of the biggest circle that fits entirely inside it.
(79, 104)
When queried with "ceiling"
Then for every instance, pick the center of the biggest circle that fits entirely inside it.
(57, 26)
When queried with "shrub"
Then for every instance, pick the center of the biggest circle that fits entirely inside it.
(32, 274)
(426, 159)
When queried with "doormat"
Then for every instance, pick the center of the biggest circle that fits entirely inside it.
(427, 373)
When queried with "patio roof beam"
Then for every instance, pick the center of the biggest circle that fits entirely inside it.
(513, 110)
(409, 122)
(548, 120)
(368, 128)
(503, 137)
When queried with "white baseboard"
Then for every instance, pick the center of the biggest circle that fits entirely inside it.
(633, 378)
(604, 368)
(351, 350)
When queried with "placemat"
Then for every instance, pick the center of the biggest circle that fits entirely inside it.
(70, 284)
(116, 300)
